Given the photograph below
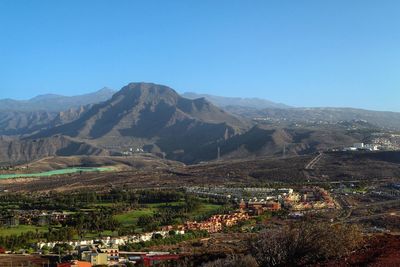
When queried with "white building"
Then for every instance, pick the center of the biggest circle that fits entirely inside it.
(371, 147)
(358, 145)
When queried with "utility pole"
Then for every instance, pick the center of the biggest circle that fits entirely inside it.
(284, 150)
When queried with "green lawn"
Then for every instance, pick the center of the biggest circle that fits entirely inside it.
(130, 218)
(108, 204)
(96, 235)
(157, 205)
(204, 208)
(55, 172)
(21, 229)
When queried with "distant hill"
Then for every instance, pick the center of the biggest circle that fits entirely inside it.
(20, 151)
(262, 140)
(21, 123)
(24, 122)
(388, 120)
(55, 103)
(221, 101)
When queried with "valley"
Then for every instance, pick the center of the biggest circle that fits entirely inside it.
(199, 133)
(147, 169)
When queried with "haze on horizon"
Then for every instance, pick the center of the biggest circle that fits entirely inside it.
(340, 54)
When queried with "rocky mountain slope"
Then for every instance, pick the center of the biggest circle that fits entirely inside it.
(20, 123)
(20, 151)
(276, 141)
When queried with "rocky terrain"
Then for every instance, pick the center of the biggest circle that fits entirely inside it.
(14, 151)
(146, 171)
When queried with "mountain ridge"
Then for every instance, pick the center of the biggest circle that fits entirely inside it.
(54, 102)
(223, 101)
(154, 118)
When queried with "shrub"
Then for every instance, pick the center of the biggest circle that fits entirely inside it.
(305, 243)
(234, 260)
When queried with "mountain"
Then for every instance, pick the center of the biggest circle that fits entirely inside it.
(152, 117)
(55, 103)
(255, 108)
(24, 122)
(20, 151)
(223, 102)
(21, 123)
(265, 140)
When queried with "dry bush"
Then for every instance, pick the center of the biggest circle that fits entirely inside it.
(305, 243)
(233, 260)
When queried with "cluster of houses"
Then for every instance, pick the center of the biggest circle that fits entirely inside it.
(362, 146)
(238, 193)
(105, 252)
(91, 257)
(98, 255)
(303, 199)
(309, 198)
(113, 241)
(386, 141)
(257, 207)
(217, 222)
(253, 201)
(132, 150)
(136, 258)
(257, 200)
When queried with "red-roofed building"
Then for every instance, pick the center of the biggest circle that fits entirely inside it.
(150, 260)
(75, 264)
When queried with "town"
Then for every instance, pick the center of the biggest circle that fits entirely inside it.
(238, 206)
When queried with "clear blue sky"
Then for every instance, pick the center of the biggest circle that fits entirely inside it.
(302, 53)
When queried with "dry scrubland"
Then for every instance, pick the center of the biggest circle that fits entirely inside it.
(150, 171)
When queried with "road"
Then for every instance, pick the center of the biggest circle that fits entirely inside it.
(372, 216)
(387, 203)
(310, 165)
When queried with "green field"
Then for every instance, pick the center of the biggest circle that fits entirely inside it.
(130, 218)
(55, 172)
(17, 230)
(204, 208)
(127, 219)
(158, 205)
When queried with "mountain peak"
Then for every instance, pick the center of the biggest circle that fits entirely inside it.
(149, 87)
(148, 93)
